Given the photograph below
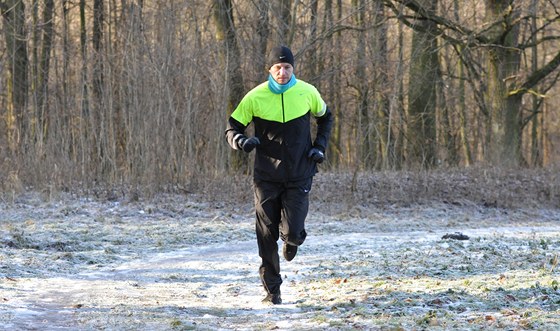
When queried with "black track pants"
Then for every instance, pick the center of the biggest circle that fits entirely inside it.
(281, 209)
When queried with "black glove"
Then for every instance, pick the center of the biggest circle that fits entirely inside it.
(249, 144)
(316, 154)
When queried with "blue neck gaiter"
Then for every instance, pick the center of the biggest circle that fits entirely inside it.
(280, 88)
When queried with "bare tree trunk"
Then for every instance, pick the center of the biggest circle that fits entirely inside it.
(364, 122)
(83, 53)
(83, 134)
(284, 24)
(446, 128)
(536, 154)
(44, 68)
(68, 107)
(385, 141)
(504, 122)
(462, 109)
(34, 75)
(223, 17)
(461, 105)
(225, 30)
(13, 12)
(330, 89)
(397, 105)
(96, 124)
(339, 111)
(422, 92)
(263, 33)
(97, 39)
(313, 64)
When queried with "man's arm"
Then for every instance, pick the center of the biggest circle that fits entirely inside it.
(324, 126)
(235, 133)
(235, 136)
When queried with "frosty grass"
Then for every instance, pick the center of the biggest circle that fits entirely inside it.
(177, 264)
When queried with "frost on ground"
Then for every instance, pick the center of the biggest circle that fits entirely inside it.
(177, 263)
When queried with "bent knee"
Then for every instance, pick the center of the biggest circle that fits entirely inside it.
(296, 239)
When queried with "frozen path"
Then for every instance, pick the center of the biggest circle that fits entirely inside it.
(348, 275)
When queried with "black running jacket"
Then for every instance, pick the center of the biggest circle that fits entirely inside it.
(282, 124)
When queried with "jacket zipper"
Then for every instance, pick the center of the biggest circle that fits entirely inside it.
(283, 113)
(283, 150)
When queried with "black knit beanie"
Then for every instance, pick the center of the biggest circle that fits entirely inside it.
(280, 54)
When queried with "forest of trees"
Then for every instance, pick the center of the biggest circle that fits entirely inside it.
(137, 92)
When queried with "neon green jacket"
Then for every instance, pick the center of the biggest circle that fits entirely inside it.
(282, 124)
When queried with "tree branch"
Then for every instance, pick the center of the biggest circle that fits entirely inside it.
(537, 76)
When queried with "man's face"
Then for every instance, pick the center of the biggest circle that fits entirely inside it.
(281, 72)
